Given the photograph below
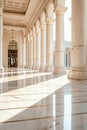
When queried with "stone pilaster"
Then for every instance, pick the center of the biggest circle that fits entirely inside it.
(78, 67)
(59, 47)
(49, 44)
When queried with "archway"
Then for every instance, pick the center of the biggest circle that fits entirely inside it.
(12, 54)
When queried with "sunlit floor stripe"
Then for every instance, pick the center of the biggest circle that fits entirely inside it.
(14, 72)
(48, 87)
(13, 78)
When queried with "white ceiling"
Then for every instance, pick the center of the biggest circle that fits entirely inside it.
(15, 6)
(21, 13)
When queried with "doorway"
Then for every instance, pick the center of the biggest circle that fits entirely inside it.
(12, 54)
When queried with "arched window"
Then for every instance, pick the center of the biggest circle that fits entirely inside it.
(12, 45)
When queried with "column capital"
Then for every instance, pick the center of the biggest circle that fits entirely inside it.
(49, 21)
(60, 10)
(43, 26)
(37, 32)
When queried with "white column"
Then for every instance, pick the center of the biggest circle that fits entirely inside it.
(24, 51)
(31, 51)
(43, 47)
(78, 68)
(29, 55)
(1, 37)
(34, 50)
(38, 48)
(59, 47)
(86, 33)
(49, 44)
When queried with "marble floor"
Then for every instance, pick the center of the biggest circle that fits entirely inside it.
(32, 100)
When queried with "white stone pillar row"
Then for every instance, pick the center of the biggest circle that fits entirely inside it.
(49, 44)
(30, 39)
(1, 36)
(31, 36)
(43, 47)
(29, 50)
(38, 46)
(78, 68)
(34, 48)
(26, 52)
(59, 46)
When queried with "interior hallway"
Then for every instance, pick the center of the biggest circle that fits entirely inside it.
(30, 100)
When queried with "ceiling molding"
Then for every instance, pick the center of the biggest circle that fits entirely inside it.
(10, 27)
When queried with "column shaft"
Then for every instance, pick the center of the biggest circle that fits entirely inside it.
(38, 48)
(1, 39)
(34, 48)
(32, 53)
(59, 48)
(78, 68)
(49, 45)
(43, 48)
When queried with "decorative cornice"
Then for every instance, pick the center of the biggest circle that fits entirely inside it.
(7, 26)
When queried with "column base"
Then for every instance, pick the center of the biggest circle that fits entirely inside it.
(34, 67)
(26, 67)
(1, 70)
(42, 68)
(49, 69)
(38, 68)
(77, 75)
(59, 70)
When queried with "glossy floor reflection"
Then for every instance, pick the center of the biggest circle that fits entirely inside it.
(30, 100)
